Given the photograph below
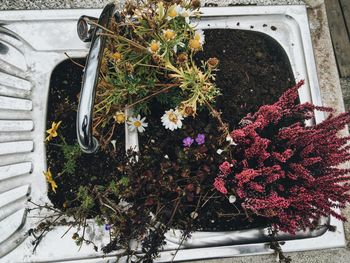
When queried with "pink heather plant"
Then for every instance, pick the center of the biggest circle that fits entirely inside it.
(286, 171)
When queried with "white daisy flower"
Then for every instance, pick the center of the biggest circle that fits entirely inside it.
(172, 119)
(186, 13)
(173, 11)
(199, 35)
(137, 123)
(169, 34)
(154, 47)
(197, 41)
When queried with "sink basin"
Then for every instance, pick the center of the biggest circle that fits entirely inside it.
(32, 43)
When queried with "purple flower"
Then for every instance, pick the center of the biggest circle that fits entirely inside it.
(200, 139)
(187, 141)
(107, 227)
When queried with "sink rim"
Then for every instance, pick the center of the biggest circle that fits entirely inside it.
(298, 13)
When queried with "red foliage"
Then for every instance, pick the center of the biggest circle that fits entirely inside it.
(286, 171)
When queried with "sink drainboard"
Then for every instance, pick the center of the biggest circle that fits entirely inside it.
(32, 43)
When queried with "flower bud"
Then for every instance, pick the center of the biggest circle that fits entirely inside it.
(213, 62)
(196, 4)
(182, 58)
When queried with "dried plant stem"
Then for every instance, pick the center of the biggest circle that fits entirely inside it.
(98, 25)
(132, 43)
(74, 62)
(217, 115)
(169, 86)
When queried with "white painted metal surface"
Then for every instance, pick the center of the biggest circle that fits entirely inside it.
(32, 43)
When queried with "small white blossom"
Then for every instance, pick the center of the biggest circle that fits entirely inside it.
(154, 47)
(172, 119)
(186, 13)
(194, 215)
(219, 151)
(113, 142)
(173, 11)
(232, 199)
(199, 35)
(230, 140)
(137, 123)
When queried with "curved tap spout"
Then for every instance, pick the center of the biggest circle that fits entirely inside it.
(87, 142)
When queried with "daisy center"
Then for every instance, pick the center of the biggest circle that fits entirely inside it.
(120, 118)
(197, 37)
(195, 44)
(169, 34)
(137, 124)
(172, 12)
(154, 46)
(173, 118)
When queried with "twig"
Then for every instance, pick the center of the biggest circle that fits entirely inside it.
(74, 62)
(150, 96)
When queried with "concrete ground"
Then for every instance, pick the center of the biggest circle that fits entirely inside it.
(329, 82)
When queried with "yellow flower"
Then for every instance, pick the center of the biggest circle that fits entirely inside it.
(169, 34)
(117, 56)
(50, 180)
(173, 11)
(197, 41)
(53, 131)
(194, 44)
(154, 46)
(119, 117)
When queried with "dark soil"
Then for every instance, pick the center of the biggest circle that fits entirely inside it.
(254, 70)
(91, 169)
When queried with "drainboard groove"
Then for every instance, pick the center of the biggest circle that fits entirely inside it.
(15, 182)
(16, 125)
(13, 170)
(13, 200)
(8, 103)
(12, 39)
(10, 80)
(8, 228)
(14, 92)
(11, 55)
(15, 115)
(11, 70)
(10, 223)
(16, 147)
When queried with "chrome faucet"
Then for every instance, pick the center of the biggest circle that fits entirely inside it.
(89, 31)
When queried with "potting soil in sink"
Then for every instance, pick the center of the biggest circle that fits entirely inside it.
(253, 70)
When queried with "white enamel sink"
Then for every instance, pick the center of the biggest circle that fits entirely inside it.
(32, 43)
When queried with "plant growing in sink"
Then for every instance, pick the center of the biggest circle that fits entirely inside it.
(206, 161)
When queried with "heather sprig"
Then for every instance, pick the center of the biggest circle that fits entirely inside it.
(286, 171)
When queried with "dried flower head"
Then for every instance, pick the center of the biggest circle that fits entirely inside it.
(213, 62)
(182, 58)
(196, 4)
(117, 56)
